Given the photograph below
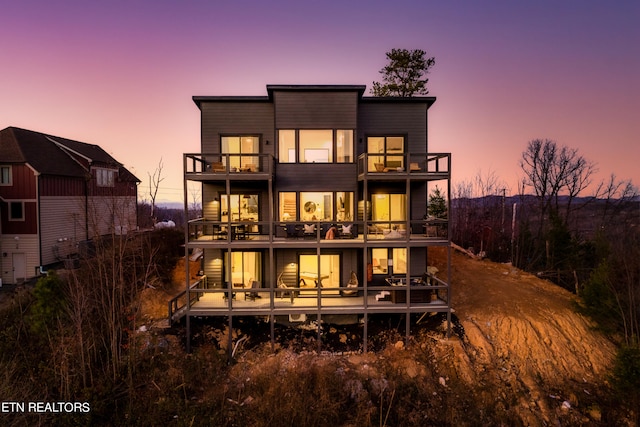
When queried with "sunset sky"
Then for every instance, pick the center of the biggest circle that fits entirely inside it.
(121, 74)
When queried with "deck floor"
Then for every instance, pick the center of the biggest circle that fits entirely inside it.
(213, 304)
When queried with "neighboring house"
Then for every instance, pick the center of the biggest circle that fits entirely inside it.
(56, 193)
(315, 207)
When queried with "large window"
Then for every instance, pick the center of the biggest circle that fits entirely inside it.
(5, 175)
(385, 152)
(328, 275)
(315, 146)
(390, 209)
(240, 148)
(316, 206)
(388, 261)
(241, 207)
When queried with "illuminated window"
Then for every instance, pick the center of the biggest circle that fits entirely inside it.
(238, 147)
(287, 146)
(316, 206)
(328, 275)
(315, 146)
(241, 207)
(344, 146)
(385, 152)
(389, 260)
(243, 268)
(389, 209)
(5, 175)
(287, 206)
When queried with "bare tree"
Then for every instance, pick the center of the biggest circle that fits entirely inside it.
(154, 185)
(553, 171)
(195, 205)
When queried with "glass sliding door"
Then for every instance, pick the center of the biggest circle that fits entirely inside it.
(389, 210)
(242, 268)
(239, 207)
(327, 276)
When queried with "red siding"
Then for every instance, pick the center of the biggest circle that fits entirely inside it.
(24, 184)
(28, 226)
(61, 186)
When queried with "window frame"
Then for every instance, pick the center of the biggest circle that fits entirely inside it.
(9, 175)
(336, 154)
(389, 268)
(338, 209)
(384, 155)
(319, 265)
(238, 159)
(11, 215)
(105, 177)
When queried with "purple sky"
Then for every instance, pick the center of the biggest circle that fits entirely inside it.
(121, 74)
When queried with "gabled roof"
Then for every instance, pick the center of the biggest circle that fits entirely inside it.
(52, 155)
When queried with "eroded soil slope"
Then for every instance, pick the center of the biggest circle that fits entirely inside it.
(524, 341)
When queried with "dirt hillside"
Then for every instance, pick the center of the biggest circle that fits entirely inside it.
(520, 355)
(524, 341)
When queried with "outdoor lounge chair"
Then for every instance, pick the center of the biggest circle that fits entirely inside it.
(282, 285)
(353, 283)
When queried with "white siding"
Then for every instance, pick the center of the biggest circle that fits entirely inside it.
(111, 214)
(27, 244)
(62, 225)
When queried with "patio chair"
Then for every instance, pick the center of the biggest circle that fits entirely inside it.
(218, 167)
(253, 294)
(282, 285)
(353, 283)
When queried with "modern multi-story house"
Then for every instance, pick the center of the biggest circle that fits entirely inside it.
(55, 194)
(315, 202)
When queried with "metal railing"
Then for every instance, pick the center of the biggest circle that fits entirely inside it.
(178, 304)
(211, 163)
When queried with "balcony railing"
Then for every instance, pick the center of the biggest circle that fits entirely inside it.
(394, 295)
(214, 166)
(204, 230)
(430, 165)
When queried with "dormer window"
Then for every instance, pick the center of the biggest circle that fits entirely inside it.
(105, 177)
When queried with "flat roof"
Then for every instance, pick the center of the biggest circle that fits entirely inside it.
(359, 89)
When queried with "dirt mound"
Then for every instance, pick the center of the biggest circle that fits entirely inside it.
(525, 342)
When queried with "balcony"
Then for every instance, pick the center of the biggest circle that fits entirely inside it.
(352, 233)
(220, 167)
(394, 297)
(385, 166)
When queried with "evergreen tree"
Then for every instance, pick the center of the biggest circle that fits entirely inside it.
(403, 75)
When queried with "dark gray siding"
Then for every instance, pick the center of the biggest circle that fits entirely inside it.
(237, 118)
(316, 177)
(418, 261)
(387, 118)
(316, 110)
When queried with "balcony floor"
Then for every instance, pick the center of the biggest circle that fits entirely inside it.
(215, 304)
